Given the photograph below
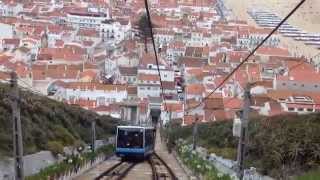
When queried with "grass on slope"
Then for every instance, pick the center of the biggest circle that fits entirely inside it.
(311, 175)
(49, 124)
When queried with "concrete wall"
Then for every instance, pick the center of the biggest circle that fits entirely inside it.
(33, 163)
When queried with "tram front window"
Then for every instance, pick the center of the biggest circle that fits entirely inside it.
(130, 139)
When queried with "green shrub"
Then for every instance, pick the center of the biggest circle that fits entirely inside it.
(55, 147)
(311, 175)
(44, 120)
(198, 164)
(279, 146)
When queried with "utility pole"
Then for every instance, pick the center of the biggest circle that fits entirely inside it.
(93, 135)
(169, 140)
(17, 133)
(244, 118)
(195, 132)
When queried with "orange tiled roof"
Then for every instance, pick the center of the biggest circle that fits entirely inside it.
(195, 89)
(148, 77)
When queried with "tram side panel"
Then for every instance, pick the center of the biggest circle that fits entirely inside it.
(130, 142)
(134, 142)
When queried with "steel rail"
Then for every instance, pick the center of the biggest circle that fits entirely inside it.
(108, 171)
(125, 173)
(154, 169)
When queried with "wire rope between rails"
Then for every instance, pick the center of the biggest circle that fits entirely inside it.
(250, 54)
(172, 174)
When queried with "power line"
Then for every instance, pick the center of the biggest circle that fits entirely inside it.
(250, 54)
(155, 52)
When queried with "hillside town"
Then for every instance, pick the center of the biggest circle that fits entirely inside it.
(93, 54)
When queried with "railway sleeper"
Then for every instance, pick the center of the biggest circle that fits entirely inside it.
(163, 175)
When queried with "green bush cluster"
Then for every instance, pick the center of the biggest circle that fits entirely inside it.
(311, 175)
(63, 167)
(45, 120)
(198, 164)
(280, 146)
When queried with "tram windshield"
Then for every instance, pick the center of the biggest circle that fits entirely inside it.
(130, 138)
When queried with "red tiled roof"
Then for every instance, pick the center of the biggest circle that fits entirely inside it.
(174, 107)
(195, 89)
(4, 75)
(217, 115)
(193, 62)
(88, 73)
(84, 103)
(128, 71)
(168, 85)
(66, 53)
(273, 51)
(132, 90)
(95, 85)
(38, 74)
(88, 33)
(11, 41)
(148, 77)
(232, 103)
(214, 103)
(301, 75)
(189, 119)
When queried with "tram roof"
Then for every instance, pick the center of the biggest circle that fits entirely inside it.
(135, 127)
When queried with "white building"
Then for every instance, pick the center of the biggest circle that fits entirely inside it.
(6, 31)
(166, 74)
(10, 9)
(101, 93)
(115, 30)
(163, 37)
(148, 85)
(87, 19)
(175, 50)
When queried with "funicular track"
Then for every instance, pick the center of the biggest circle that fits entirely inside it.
(160, 169)
(117, 171)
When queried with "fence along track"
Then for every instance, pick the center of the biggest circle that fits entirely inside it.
(117, 171)
(158, 165)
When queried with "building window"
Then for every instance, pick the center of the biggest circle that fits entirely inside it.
(290, 109)
(283, 84)
(300, 109)
(148, 88)
(316, 86)
(310, 110)
(302, 85)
